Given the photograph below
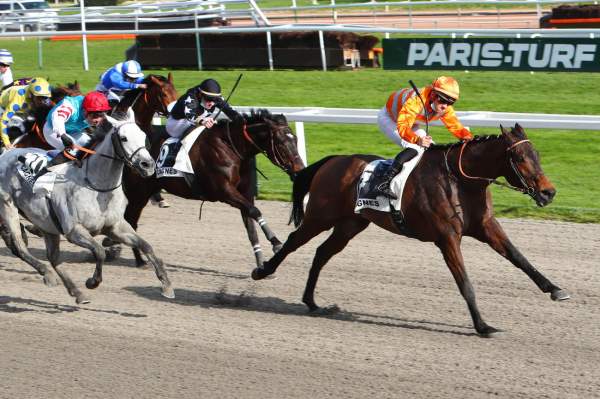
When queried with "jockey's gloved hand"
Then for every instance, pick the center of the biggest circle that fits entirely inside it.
(66, 140)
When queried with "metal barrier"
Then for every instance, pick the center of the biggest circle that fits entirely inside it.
(299, 115)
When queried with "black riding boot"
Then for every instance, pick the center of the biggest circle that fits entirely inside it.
(396, 167)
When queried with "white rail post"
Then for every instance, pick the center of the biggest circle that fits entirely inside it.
(198, 51)
(294, 6)
(86, 66)
(334, 13)
(322, 45)
(269, 50)
(40, 54)
(301, 141)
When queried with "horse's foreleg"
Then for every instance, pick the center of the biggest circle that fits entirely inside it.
(237, 200)
(53, 253)
(493, 234)
(253, 237)
(342, 233)
(450, 248)
(12, 237)
(123, 232)
(304, 233)
(80, 236)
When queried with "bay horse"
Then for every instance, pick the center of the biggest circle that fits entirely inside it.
(442, 202)
(222, 160)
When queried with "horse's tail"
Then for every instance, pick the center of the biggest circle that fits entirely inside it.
(302, 182)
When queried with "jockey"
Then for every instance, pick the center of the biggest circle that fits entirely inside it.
(67, 121)
(403, 115)
(197, 107)
(20, 101)
(6, 59)
(124, 76)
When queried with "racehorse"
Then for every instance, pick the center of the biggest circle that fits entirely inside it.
(442, 202)
(222, 162)
(155, 99)
(34, 135)
(85, 202)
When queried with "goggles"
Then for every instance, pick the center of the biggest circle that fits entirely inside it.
(444, 99)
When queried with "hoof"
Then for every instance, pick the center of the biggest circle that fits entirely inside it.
(488, 332)
(107, 242)
(142, 265)
(50, 279)
(82, 299)
(326, 311)
(112, 253)
(560, 295)
(168, 292)
(260, 273)
(92, 283)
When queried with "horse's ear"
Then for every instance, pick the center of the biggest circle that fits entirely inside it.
(170, 78)
(154, 80)
(76, 85)
(503, 130)
(130, 115)
(112, 120)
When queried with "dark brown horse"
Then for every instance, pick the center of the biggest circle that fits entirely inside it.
(34, 136)
(446, 197)
(222, 159)
(155, 99)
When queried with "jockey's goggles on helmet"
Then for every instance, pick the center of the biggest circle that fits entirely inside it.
(444, 99)
(3, 65)
(96, 114)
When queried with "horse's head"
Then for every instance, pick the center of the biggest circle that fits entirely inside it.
(524, 169)
(160, 93)
(130, 144)
(274, 137)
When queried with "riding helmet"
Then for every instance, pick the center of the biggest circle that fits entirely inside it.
(210, 89)
(132, 69)
(39, 87)
(446, 85)
(5, 57)
(95, 102)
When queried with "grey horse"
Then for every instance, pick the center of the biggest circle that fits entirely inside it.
(84, 202)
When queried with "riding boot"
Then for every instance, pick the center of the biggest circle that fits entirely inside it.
(396, 167)
(57, 160)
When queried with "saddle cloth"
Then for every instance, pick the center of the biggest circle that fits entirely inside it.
(34, 162)
(174, 159)
(372, 176)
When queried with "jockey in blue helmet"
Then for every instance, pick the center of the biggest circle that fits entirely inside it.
(121, 77)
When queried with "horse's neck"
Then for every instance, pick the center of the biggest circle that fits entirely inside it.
(235, 137)
(481, 159)
(104, 171)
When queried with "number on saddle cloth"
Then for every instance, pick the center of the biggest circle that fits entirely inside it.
(33, 161)
(168, 153)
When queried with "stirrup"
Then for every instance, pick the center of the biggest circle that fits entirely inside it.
(385, 189)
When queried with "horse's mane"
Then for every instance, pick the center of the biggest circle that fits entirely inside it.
(131, 95)
(259, 115)
(476, 139)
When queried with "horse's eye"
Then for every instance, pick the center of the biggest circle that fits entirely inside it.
(123, 139)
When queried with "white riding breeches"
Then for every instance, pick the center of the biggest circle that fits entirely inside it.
(82, 140)
(176, 127)
(389, 127)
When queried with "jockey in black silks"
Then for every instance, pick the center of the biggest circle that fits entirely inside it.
(197, 108)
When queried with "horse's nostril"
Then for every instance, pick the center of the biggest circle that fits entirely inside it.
(549, 193)
(145, 164)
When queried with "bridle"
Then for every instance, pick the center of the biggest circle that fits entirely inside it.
(277, 157)
(120, 155)
(526, 189)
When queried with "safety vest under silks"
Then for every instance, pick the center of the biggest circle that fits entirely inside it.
(70, 110)
(404, 107)
(14, 101)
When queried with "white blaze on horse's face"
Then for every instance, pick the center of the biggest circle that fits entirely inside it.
(133, 142)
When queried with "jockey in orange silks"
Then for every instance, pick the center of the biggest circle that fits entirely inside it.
(403, 114)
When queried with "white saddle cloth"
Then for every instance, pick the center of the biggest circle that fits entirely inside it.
(182, 160)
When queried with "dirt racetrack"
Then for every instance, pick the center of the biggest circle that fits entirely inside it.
(403, 330)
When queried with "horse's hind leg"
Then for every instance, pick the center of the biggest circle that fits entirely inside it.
(80, 236)
(342, 233)
(53, 252)
(123, 232)
(450, 248)
(493, 234)
(12, 236)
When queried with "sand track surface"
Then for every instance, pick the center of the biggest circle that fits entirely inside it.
(402, 330)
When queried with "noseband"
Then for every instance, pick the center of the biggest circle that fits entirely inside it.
(529, 190)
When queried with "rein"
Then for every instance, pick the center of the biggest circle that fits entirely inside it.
(528, 190)
(248, 138)
(121, 156)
